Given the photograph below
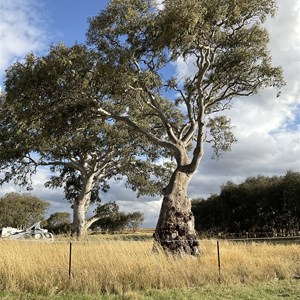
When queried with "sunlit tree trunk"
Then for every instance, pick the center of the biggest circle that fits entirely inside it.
(79, 224)
(81, 205)
(175, 230)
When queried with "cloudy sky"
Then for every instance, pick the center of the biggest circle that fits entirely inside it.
(267, 127)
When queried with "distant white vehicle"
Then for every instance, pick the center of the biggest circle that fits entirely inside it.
(7, 231)
(33, 232)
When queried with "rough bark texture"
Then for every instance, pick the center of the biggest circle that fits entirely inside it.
(175, 231)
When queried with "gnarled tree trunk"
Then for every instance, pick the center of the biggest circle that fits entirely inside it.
(175, 232)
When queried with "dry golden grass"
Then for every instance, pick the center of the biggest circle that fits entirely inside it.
(116, 266)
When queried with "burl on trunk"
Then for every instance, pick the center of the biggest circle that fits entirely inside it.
(175, 232)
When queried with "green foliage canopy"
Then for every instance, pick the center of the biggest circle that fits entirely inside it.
(21, 211)
(112, 219)
(136, 43)
(48, 111)
(259, 204)
(59, 222)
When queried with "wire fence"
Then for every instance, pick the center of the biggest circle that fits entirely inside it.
(245, 235)
(286, 240)
(71, 244)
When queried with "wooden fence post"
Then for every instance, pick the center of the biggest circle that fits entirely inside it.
(219, 261)
(70, 260)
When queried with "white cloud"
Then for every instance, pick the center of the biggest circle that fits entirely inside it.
(158, 4)
(54, 196)
(267, 127)
(21, 30)
(149, 208)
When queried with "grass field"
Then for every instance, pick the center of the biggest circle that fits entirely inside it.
(126, 269)
(285, 289)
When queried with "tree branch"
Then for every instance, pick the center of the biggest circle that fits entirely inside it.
(155, 105)
(171, 146)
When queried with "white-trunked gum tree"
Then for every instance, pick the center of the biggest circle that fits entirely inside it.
(46, 120)
(138, 44)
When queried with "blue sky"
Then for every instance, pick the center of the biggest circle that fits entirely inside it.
(267, 127)
(68, 19)
(32, 25)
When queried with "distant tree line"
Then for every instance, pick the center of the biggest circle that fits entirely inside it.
(23, 210)
(257, 205)
(114, 220)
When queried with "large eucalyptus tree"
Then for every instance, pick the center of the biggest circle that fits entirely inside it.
(138, 44)
(46, 121)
